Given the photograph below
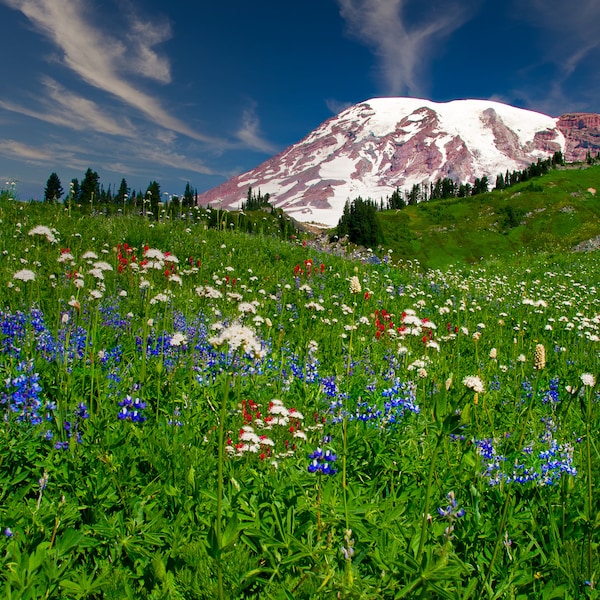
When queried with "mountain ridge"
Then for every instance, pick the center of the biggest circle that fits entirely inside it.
(374, 147)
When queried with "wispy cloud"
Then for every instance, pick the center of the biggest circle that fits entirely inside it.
(18, 150)
(570, 32)
(336, 107)
(145, 161)
(249, 132)
(402, 46)
(573, 28)
(105, 62)
(61, 107)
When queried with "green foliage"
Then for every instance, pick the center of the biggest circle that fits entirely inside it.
(153, 198)
(122, 196)
(552, 212)
(188, 196)
(256, 201)
(438, 491)
(89, 190)
(361, 223)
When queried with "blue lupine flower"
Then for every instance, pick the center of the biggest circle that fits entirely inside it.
(22, 395)
(131, 410)
(322, 462)
(452, 511)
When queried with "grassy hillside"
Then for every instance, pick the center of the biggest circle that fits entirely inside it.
(554, 212)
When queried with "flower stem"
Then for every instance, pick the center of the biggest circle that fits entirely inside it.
(220, 463)
(428, 498)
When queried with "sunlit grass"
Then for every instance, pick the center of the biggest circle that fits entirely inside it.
(197, 412)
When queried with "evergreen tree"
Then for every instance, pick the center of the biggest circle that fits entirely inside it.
(122, 194)
(449, 188)
(464, 190)
(480, 186)
(435, 190)
(75, 191)
(256, 201)
(414, 196)
(396, 200)
(175, 207)
(500, 182)
(90, 188)
(360, 223)
(54, 190)
(153, 196)
(188, 196)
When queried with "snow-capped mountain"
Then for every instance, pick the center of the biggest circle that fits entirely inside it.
(374, 147)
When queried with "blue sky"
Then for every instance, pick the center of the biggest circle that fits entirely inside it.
(199, 91)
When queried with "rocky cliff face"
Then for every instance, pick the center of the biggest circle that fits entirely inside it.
(582, 134)
(374, 147)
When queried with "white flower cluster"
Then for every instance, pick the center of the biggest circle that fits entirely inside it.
(43, 231)
(239, 336)
(473, 382)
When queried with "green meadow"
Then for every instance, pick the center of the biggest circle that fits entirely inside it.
(194, 407)
(552, 213)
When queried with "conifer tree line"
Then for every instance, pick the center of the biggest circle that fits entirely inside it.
(448, 188)
(89, 192)
(256, 201)
(360, 223)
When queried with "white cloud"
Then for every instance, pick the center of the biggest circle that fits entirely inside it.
(249, 132)
(402, 47)
(106, 62)
(64, 108)
(336, 107)
(13, 149)
(569, 47)
(570, 32)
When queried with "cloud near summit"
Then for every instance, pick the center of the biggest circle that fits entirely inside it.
(403, 46)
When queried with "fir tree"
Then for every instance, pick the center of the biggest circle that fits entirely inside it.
(360, 223)
(188, 197)
(153, 198)
(90, 187)
(54, 190)
(122, 194)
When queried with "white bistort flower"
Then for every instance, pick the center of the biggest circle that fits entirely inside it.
(103, 266)
(473, 382)
(355, 287)
(43, 231)
(238, 336)
(178, 339)
(153, 253)
(24, 275)
(247, 307)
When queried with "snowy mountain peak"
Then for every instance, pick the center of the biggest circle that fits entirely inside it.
(372, 148)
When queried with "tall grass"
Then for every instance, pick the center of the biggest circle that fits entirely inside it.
(193, 413)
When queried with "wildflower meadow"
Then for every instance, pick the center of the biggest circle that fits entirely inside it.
(197, 412)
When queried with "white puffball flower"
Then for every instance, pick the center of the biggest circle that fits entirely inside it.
(588, 380)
